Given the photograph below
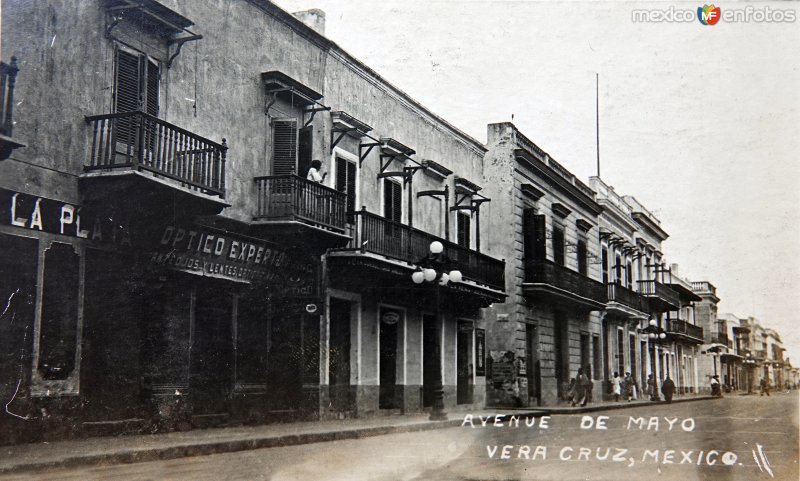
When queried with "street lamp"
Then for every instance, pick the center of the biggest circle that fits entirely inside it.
(750, 363)
(655, 334)
(433, 268)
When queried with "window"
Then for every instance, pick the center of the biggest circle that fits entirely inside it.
(346, 183)
(59, 322)
(629, 275)
(304, 151)
(620, 352)
(136, 84)
(284, 147)
(392, 201)
(582, 256)
(605, 265)
(533, 231)
(558, 245)
(463, 230)
(618, 270)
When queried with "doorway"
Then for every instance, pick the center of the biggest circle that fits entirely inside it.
(388, 320)
(533, 367)
(464, 384)
(339, 355)
(212, 350)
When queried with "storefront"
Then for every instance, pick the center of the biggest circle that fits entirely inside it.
(114, 322)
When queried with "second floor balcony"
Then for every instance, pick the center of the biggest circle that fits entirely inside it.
(158, 158)
(626, 302)
(290, 198)
(392, 250)
(720, 338)
(680, 329)
(660, 297)
(548, 279)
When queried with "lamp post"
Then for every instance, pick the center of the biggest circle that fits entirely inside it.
(433, 269)
(655, 334)
(750, 363)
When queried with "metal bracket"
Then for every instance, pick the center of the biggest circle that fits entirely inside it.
(335, 140)
(314, 111)
(180, 41)
(274, 95)
(363, 155)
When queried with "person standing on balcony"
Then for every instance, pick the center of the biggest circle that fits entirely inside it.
(314, 174)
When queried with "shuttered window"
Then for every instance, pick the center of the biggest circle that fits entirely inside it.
(136, 85)
(392, 201)
(533, 230)
(463, 230)
(582, 256)
(346, 183)
(558, 245)
(284, 147)
(605, 265)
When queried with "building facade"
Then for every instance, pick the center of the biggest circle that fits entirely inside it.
(545, 224)
(173, 264)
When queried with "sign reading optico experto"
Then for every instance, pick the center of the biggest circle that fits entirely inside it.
(221, 255)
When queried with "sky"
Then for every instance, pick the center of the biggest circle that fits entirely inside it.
(698, 122)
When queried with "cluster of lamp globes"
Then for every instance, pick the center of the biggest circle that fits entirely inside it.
(653, 335)
(428, 274)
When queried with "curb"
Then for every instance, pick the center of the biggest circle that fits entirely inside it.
(131, 456)
(620, 405)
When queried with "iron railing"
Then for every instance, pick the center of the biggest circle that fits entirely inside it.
(378, 235)
(550, 273)
(139, 141)
(623, 295)
(720, 338)
(289, 197)
(679, 326)
(659, 290)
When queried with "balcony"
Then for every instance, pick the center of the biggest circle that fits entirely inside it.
(625, 302)
(135, 148)
(682, 287)
(660, 297)
(289, 198)
(8, 79)
(548, 279)
(391, 250)
(682, 330)
(720, 338)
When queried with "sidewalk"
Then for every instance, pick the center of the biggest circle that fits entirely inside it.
(152, 447)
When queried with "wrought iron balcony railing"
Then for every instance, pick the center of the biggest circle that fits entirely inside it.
(660, 292)
(623, 295)
(720, 338)
(378, 235)
(565, 279)
(679, 326)
(142, 142)
(289, 197)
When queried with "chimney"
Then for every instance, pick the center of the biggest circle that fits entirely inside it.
(314, 18)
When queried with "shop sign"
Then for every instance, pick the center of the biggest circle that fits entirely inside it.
(226, 255)
(41, 214)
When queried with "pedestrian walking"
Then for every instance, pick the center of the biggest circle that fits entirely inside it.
(589, 385)
(616, 386)
(668, 389)
(652, 387)
(715, 388)
(580, 388)
(630, 386)
(764, 386)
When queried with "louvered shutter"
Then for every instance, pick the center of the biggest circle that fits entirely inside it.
(582, 256)
(558, 245)
(346, 183)
(126, 93)
(463, 237)
(392, 201)
(127, 84)
(284, 147)
(540, 236)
